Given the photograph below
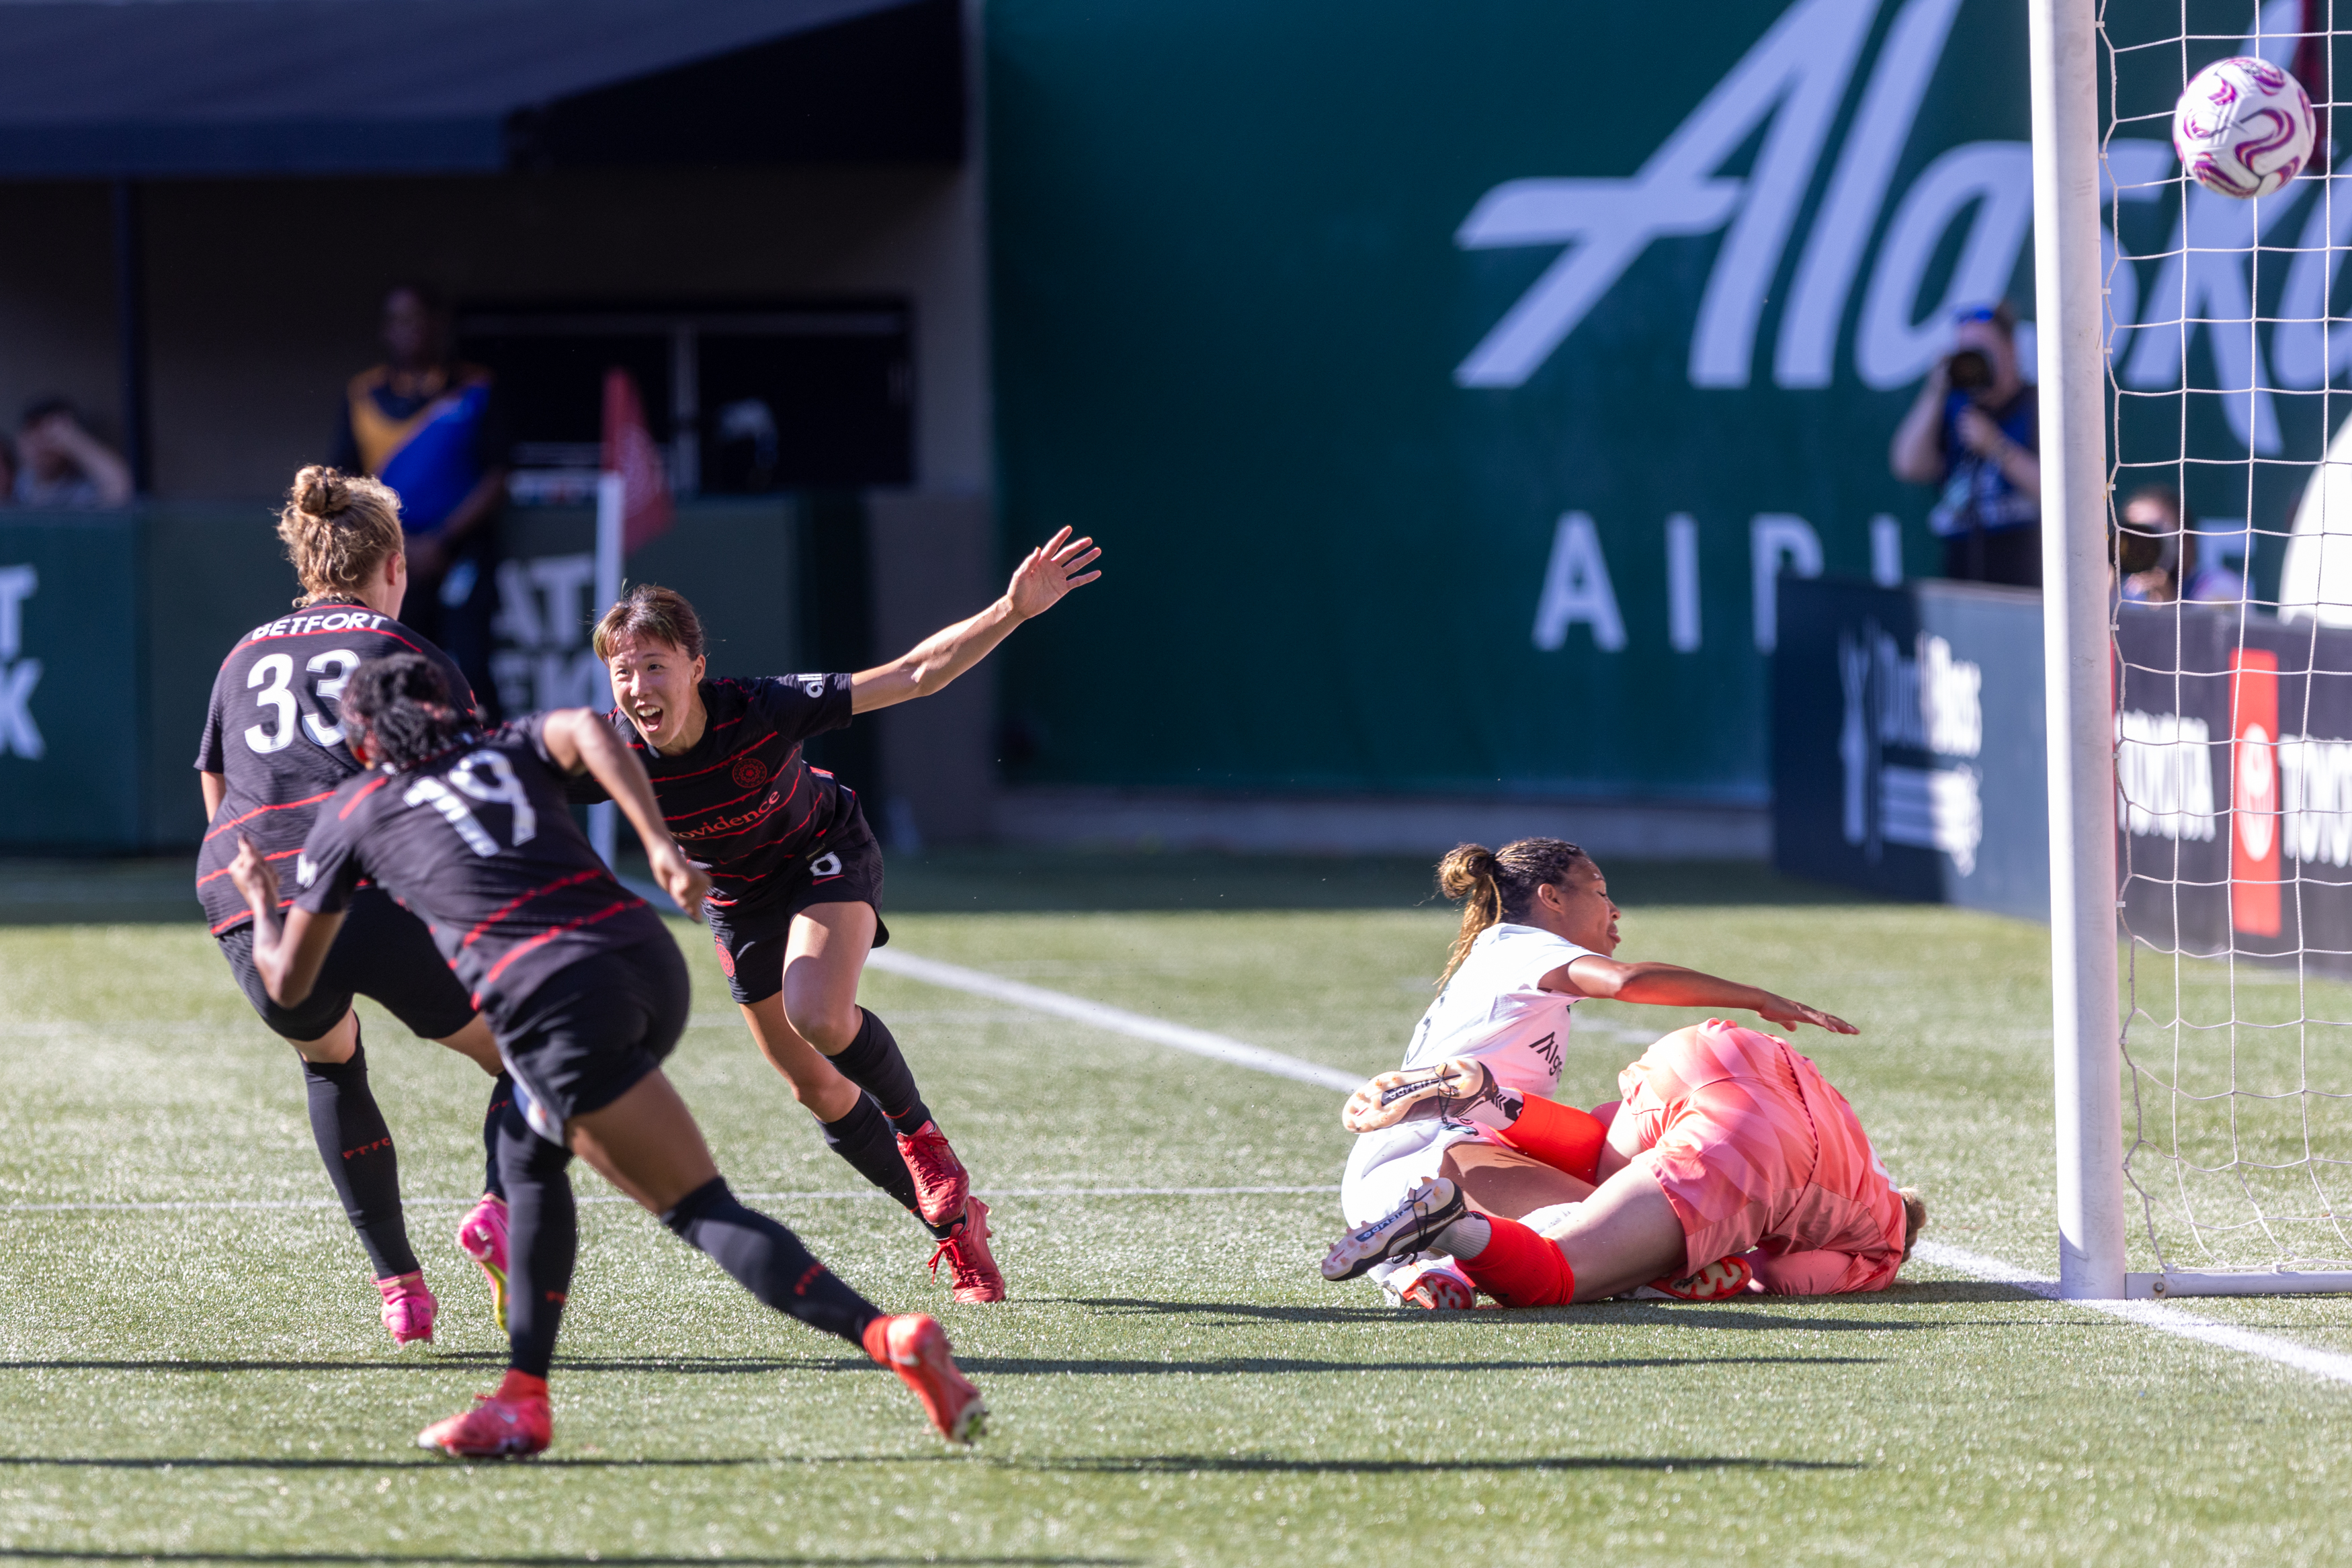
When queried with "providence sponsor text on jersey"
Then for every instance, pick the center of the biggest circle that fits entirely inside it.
(742, 800)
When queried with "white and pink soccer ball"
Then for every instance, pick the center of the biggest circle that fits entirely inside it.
(2244, 126)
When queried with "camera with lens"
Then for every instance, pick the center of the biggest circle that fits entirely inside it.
(1968, 371)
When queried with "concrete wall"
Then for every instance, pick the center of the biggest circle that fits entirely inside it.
(263, 293)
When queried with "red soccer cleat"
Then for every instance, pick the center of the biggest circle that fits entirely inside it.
(511, 1423)
(941, 1184)
(972, 1265)
(1723, 1278)
(913, 1346)
(408, 1308)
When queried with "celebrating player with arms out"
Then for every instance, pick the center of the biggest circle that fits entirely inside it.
(797, 877)
(588, 994)
(1729, 1165)
(273, 750)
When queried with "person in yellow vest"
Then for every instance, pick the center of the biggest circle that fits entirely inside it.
(432, 428)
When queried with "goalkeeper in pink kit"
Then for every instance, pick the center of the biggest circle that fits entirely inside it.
(1728, 1166)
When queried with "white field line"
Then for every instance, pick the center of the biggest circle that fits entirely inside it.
(2162, 1316)
(299, 1203)
(1118, 1020)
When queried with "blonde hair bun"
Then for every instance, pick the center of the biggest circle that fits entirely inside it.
(320, 491)
(338, 529)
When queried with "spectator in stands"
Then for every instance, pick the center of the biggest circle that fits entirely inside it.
(61, 464)
(1975, 430)
(2150, 546)
(431, 428)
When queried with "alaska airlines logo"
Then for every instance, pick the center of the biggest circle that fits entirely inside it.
(1796, 78)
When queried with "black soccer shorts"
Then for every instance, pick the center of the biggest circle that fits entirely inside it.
(586, 1035)
(845, 867)
(382, 952)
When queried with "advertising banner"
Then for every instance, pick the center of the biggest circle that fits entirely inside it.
(1908, 742)
(71, 706)
(1452, 384)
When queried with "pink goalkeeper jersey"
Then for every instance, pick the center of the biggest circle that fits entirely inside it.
(1756, 1151)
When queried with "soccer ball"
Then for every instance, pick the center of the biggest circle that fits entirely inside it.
(2244, 126)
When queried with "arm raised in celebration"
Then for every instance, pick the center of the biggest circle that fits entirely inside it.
(1045, 575)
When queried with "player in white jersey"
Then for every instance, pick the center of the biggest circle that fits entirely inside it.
(1537, 934)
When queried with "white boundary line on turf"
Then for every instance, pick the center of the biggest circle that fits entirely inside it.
(2161, 1316)
(299, 1203)
(1119, 1020)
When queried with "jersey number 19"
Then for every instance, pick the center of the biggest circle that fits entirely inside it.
(501, 789)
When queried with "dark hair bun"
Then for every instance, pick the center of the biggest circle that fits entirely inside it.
(321, 491)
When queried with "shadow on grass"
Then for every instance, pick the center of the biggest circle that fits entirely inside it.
(1753, 1314)
(536, 1560)
(1252, 1464)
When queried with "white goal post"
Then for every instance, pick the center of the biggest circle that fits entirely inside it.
(2252, 1200)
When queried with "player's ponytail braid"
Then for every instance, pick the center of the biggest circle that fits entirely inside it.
(339, 528)
(1496, 885)
(403, 703)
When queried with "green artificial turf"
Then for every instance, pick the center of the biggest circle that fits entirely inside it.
(1172, 1382)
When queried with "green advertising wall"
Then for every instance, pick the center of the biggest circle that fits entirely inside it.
(1449, 382)
(112, 625)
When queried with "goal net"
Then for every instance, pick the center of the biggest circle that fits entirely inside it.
(2231, 519)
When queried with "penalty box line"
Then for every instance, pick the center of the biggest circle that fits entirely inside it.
(2162, 1316)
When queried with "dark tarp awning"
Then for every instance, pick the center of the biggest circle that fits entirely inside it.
(95, 89)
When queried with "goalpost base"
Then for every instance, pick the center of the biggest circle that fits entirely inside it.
(2264, 1283)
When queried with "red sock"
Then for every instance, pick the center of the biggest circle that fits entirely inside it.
(1520, 1269)
(522, 1385)
(1560, 1136)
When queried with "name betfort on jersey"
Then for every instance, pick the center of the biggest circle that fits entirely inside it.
(274, 734)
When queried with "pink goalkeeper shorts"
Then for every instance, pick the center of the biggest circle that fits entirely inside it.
(1758, 1152)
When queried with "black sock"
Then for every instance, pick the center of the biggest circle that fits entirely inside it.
(494, 1182)
(874, 1063)
(769, 1261)
(543, 1241)
(357, 1148)
(863, 1138)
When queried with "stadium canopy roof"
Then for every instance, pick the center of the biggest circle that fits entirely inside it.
(117, 89)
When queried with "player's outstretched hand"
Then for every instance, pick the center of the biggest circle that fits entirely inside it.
(1049, 571)
(255, 877)
(1781, 1010)
(1394, 1097)
(683, 880)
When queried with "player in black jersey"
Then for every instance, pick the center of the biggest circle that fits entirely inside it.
(587, 992)
(797, 877)
(273, 751)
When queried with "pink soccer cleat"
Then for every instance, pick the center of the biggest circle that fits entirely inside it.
(914, 1346)
(1719, 1281)
(1439, 1288)
(941, 1184)
(408, 1308)
(969, 1263)
(482, 1236)
(511, 1423)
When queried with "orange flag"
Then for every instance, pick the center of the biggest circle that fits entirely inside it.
(630, 452)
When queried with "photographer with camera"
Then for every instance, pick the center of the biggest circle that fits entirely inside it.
(1975, 430)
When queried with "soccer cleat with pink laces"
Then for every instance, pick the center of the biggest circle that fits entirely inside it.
(511, 1423)
(970, 1264)
(408, 1308)
(1724, 1277)
(913, 1346)
(1439, 1288)
(482, 1236)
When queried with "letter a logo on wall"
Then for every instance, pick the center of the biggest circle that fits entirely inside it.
(2253, 792)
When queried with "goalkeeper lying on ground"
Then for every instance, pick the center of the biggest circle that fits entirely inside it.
(1729, 1165)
